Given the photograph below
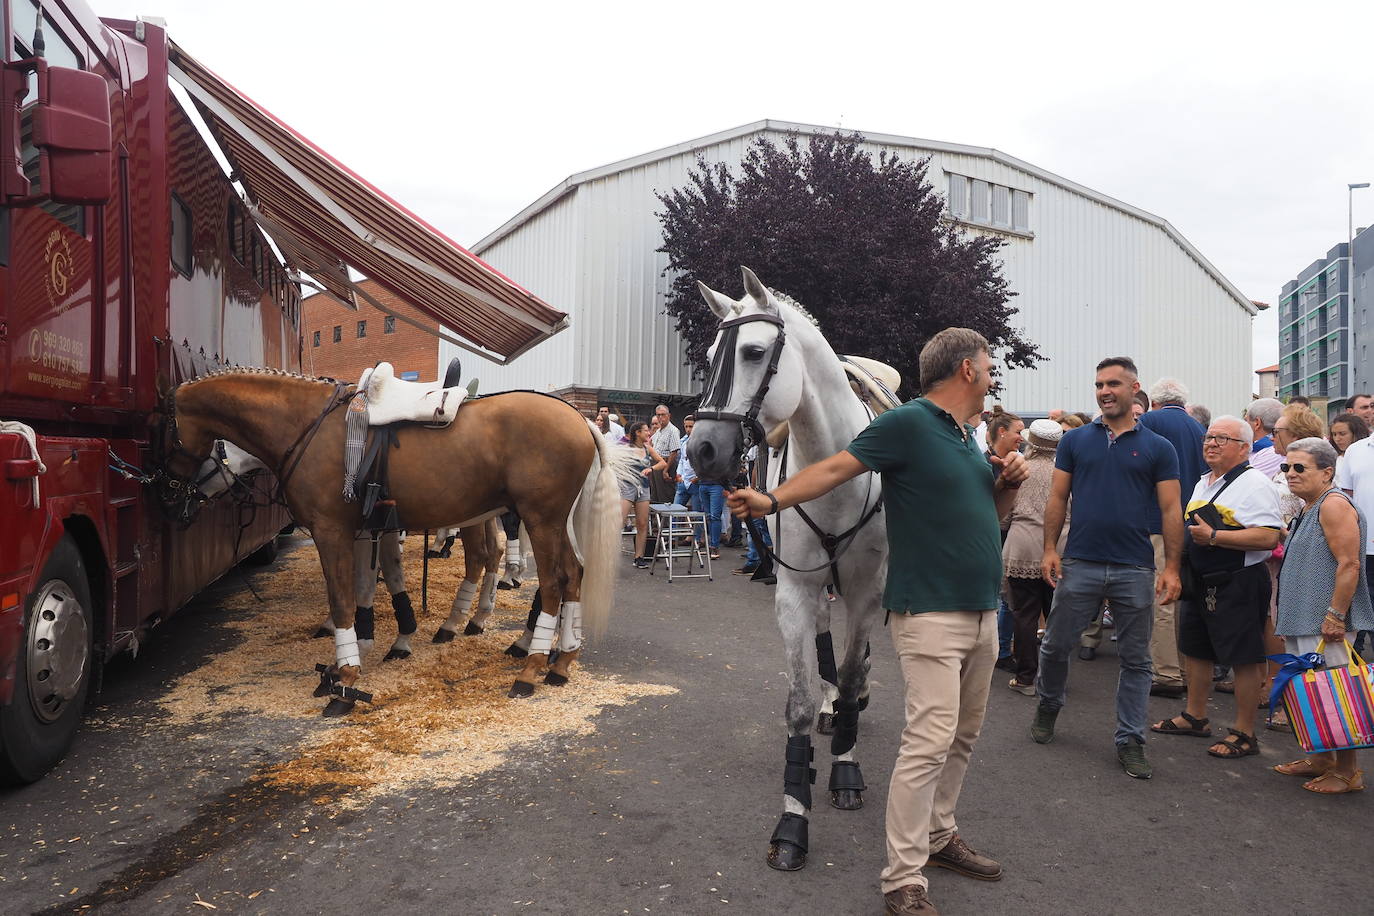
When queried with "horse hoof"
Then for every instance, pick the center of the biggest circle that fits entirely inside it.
(846, 799)
(825, 723)
(521, 689)
(515, 651)
(472, 629)
(338, 707)
(322, 632)
(785, 856)
(863, 702)
(397, 654)
(554, 679)
(442, 635)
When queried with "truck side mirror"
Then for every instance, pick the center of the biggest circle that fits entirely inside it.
(71, 132)
(71, 128)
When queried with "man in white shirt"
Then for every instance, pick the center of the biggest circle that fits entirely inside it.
(617, 432)
(1262, 415)
(667, 441)
(1233, 521)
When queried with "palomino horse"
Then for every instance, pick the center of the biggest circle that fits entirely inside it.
(770, 364)
(530, 452)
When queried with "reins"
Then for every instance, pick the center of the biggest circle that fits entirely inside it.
(291, 458)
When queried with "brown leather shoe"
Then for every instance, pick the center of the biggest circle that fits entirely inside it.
(908, 900)
(958, 856)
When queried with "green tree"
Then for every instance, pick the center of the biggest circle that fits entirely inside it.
(863, 244)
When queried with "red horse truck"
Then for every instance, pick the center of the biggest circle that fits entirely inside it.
(130, 261)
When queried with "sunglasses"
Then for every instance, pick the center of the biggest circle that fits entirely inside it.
(1300, 468)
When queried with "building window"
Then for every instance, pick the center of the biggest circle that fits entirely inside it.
(977, 201)
(389, 324)
(362, 329)
(338, 333)
(317, 338)
(181, 235)
(233, 226)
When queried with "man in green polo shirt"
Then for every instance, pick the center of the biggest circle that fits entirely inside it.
(943, 574)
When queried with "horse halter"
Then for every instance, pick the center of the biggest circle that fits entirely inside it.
(720, 379)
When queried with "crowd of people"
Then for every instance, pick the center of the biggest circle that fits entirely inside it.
(1206, 544)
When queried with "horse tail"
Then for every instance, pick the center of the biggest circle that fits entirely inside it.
(595, 524)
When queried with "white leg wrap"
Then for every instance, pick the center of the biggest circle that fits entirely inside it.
(570, 627)
(513, 552)
(346, 648)
(462, 602)
(545, 626)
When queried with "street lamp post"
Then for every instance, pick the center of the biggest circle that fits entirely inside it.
(1350, 270)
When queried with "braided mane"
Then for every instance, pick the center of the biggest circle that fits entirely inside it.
(801, 309)
(258, 370)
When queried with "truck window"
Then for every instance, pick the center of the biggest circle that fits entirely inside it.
(181, 235)
(58, 52)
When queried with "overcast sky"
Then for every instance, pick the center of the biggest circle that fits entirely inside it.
(1241, 124)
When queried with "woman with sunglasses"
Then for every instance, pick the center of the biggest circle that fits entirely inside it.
(1323, 590)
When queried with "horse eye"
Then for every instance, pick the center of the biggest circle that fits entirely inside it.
(753, 353)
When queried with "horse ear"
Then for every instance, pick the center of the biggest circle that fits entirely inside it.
(723, 306)
(757, 291)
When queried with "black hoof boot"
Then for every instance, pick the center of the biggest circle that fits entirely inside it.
(337, 707)
(515, 651)
(329, 676)
(520, 690)
(825, 723)
(787, 848)
(554, 679)
(321, 633)
(472, 629)
(846, 785)
(442, 635)
(397, 655)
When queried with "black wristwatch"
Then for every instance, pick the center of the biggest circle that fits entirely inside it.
(773, 509)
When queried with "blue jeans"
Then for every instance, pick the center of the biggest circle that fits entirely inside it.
(1077, 599)
(686, 495)
(1004, 629)
(752, 557)
(710, 498)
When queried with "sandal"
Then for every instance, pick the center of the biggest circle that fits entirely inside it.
(1302, 767)
(1197, 728)
(1348, 783)
(1236, 744)
(1278, 722)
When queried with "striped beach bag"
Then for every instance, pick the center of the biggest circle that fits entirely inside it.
(1331, 709)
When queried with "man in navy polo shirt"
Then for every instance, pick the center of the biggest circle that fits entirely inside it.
(1117, 471)
(1169, 417)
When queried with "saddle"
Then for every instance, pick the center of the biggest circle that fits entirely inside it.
(393, 400)
(383, 403)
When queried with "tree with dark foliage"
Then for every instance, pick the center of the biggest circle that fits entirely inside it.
(863, 245)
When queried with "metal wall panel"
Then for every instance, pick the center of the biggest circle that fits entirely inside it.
(1094, 281)
(543, 257)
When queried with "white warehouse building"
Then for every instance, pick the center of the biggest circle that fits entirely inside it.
(1094, 276)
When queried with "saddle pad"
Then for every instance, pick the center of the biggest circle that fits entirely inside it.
(394, 400)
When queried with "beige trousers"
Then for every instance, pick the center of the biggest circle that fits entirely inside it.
(1164, 636)
(947, 659)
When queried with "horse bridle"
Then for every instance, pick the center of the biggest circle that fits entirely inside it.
(720, 379)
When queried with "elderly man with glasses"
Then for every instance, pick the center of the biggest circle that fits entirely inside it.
(1234, 521)
(667, 441)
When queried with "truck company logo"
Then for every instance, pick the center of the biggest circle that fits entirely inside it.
(57, 254)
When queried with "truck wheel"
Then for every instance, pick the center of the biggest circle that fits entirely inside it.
(53, 672)
(263, 555)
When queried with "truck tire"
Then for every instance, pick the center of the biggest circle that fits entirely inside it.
(263, 555)
(53, 671)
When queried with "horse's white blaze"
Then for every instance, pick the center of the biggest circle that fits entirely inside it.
(570, 627)
(346, 647)
(461, 603)
(545, 627)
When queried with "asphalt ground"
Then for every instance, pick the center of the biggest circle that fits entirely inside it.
(668, 807)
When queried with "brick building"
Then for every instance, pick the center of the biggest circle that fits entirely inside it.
(341, 342)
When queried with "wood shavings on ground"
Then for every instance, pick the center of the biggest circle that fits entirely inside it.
(440, 716)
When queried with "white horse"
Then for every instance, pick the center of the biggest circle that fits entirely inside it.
(771, 364)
